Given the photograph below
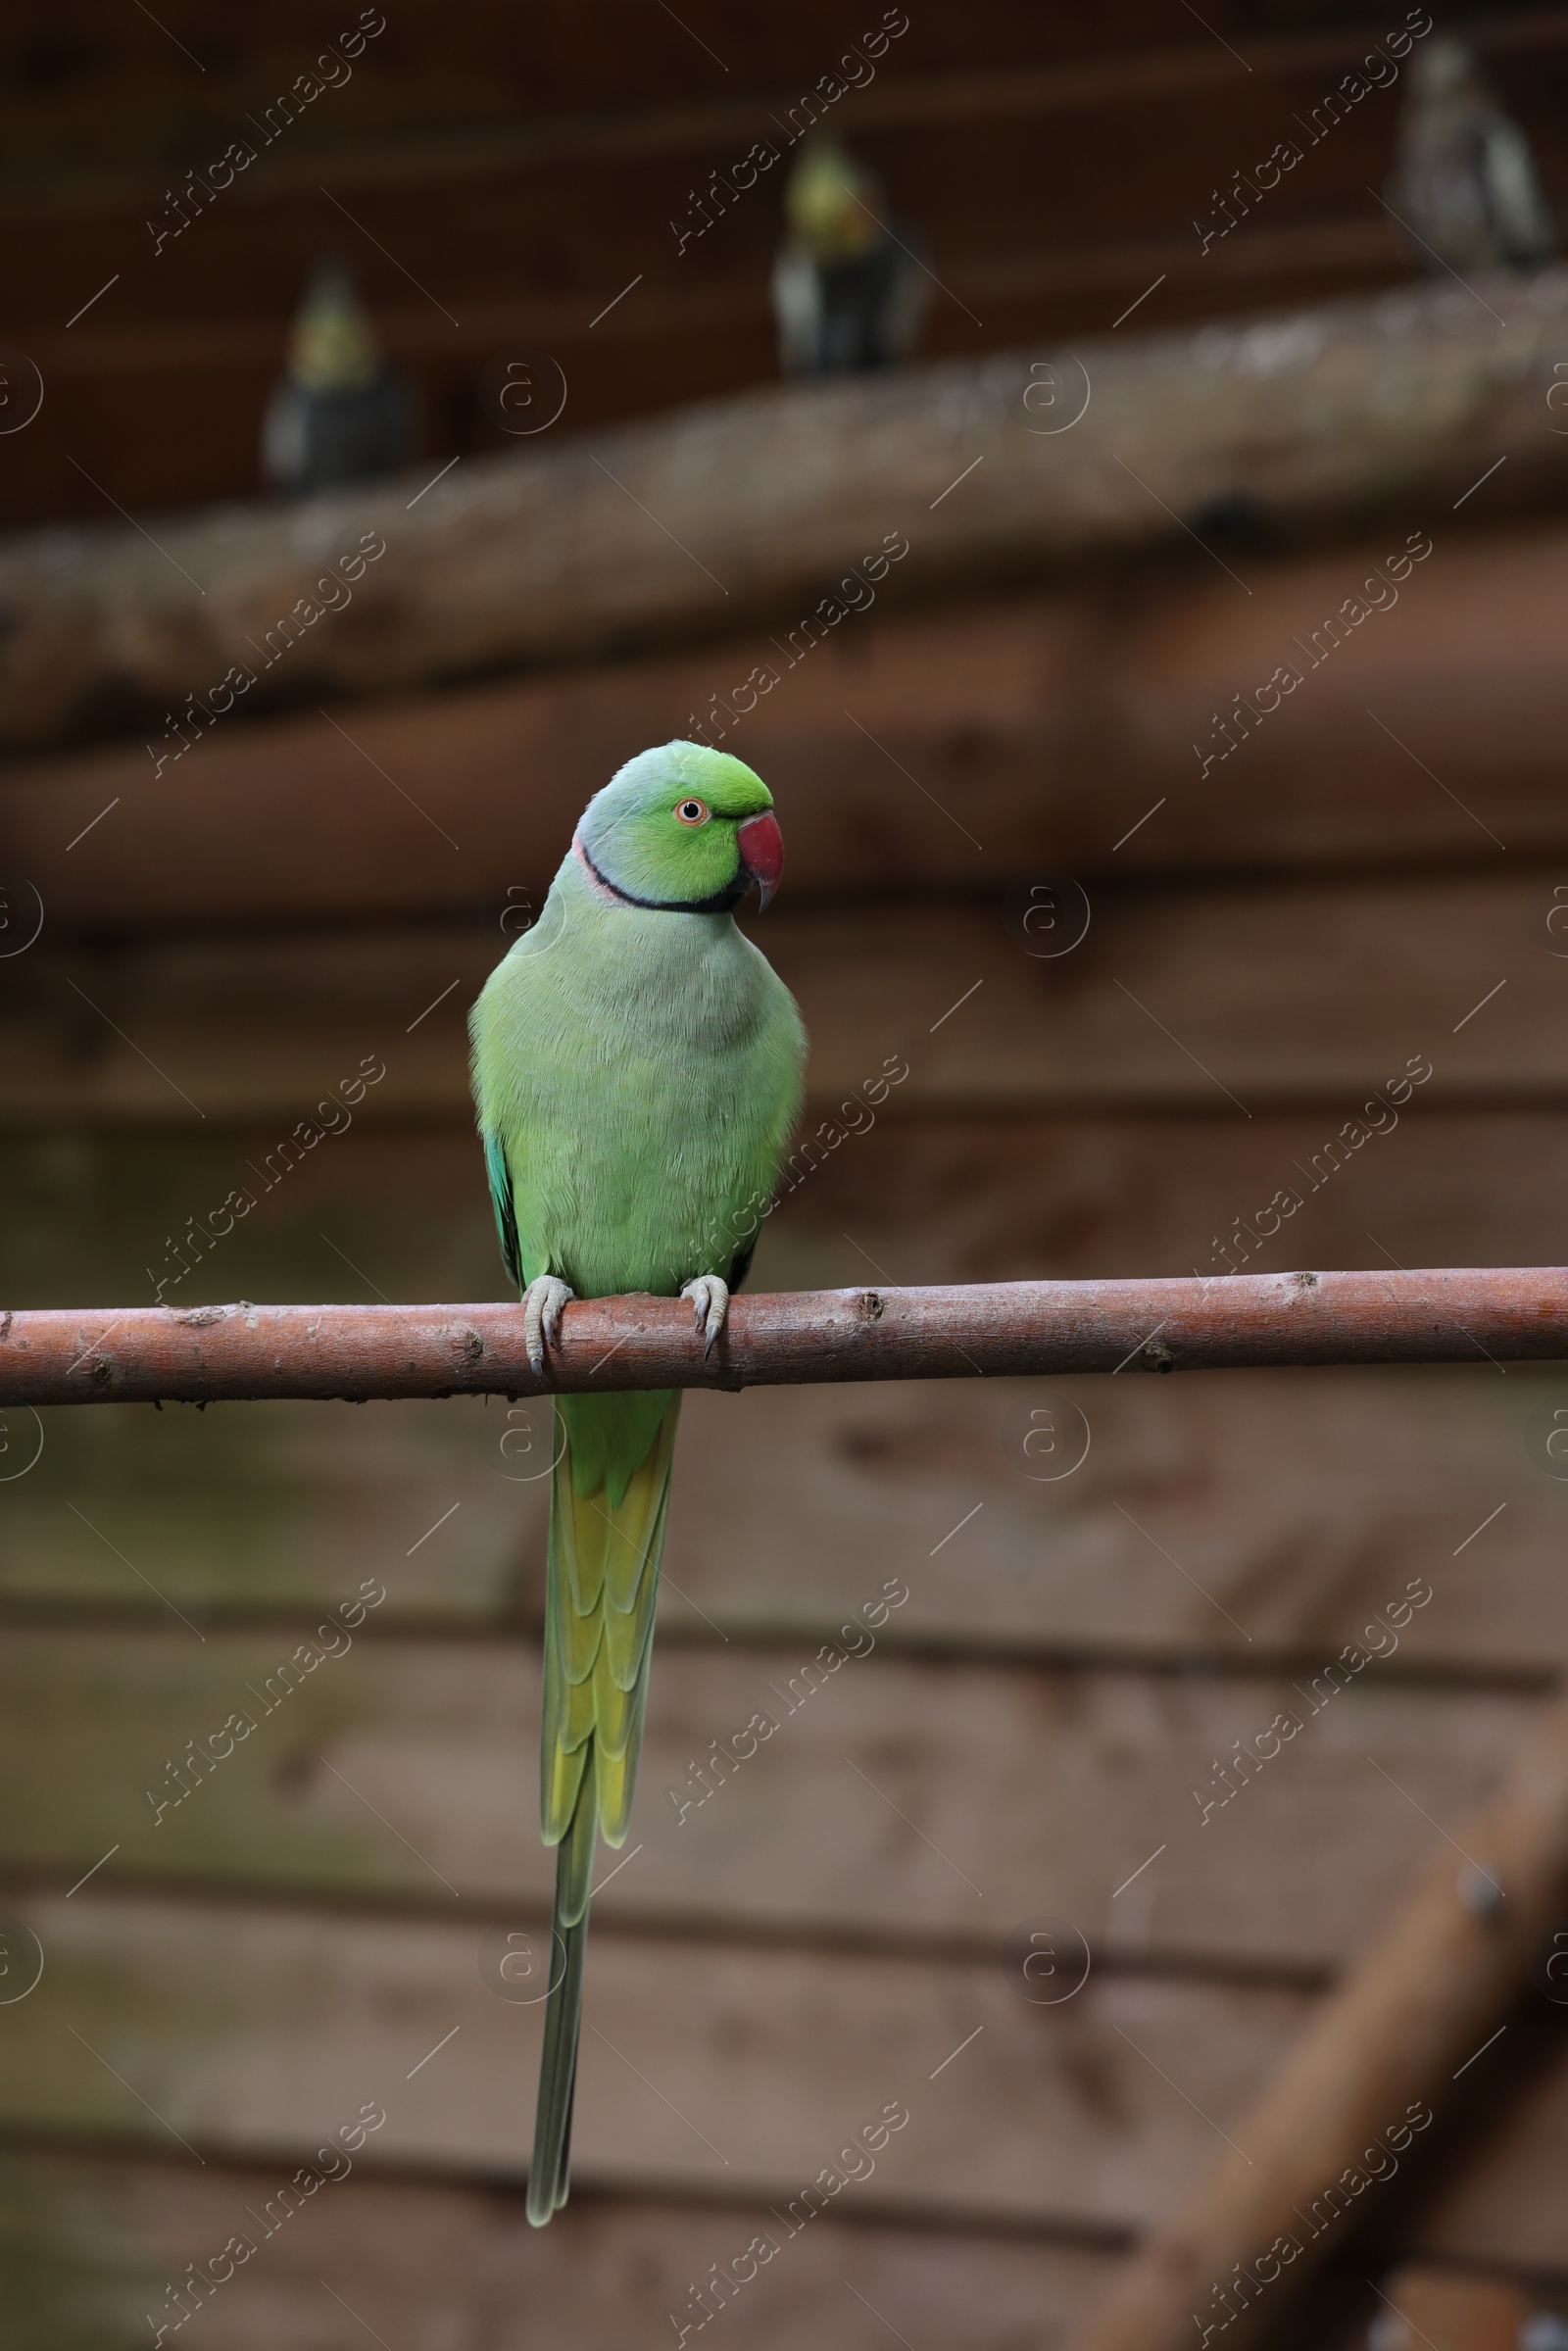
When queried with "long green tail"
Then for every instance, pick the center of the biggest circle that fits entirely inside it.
(608, 1502)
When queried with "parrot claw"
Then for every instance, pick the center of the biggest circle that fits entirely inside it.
(542, 1302)
(709, 1295)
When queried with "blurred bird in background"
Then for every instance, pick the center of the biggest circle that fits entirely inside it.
(1464, 182)
(338, 414)
(849, 286)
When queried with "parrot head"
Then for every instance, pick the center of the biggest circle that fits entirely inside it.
(684, 830)
(332, 348)
(832, 203)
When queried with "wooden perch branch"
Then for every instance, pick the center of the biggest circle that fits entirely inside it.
(208, 1354)
(773, 495)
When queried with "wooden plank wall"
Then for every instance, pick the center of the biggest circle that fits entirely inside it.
(1041, 1683)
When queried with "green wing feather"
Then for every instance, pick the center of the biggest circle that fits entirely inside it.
(501, 1201)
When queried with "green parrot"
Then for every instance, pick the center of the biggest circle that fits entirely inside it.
(637, 1070)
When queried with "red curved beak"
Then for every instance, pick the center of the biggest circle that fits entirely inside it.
(762, 847)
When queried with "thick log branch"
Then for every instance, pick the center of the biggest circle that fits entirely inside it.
(136, 1354)
(1379, 2065)
(567, 550)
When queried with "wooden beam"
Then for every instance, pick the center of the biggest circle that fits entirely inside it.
(1447, 2310)
(932, 477)
(1376, 2067)
(1001, 1328)
(961, 745)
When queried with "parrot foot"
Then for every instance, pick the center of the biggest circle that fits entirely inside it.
(542, 1302)
(709, 1295)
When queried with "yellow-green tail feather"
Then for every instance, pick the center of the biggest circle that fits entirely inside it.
(608, 1504)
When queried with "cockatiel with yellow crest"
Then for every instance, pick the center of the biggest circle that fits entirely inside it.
(338, 414)
(850, 283)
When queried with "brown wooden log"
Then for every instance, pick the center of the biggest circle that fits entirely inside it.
(773, 496)
(170, 415)
(1001, 710)
(1449, 2312)
(138, 1354)
(1419, 2011)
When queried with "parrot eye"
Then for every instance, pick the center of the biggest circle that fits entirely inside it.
(691, 811)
